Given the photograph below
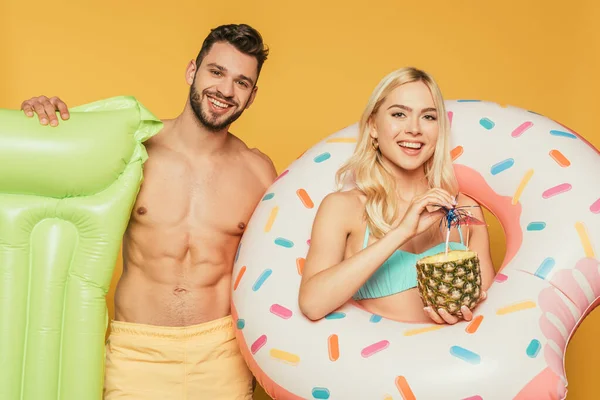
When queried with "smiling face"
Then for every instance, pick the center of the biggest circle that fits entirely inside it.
(406, 126)
(223, 86)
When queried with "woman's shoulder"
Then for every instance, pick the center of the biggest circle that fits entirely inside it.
(348, 198)
(343, 203)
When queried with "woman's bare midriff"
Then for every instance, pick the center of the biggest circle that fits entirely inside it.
(405, 306)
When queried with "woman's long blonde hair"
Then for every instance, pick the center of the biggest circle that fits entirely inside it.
(365, 167)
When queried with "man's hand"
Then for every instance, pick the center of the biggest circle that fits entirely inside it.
(46, 109)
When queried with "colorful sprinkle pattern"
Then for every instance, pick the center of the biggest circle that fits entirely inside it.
(526, 159)
(544, 270)
(521, 129)
(465, 355)
(374, 348)
(533, 348)
(536, 226)
(502, 166)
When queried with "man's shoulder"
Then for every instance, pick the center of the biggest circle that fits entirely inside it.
(263, 164)
(260, 158)
(257, 160)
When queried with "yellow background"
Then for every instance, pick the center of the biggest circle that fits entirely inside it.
(326, 57)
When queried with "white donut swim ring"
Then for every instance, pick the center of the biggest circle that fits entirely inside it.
(537, 177)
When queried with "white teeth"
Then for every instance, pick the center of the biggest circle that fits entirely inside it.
(218, 103)
(411, 145)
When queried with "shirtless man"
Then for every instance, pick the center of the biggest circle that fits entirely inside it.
(173, 335)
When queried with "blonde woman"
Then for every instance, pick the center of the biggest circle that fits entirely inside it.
(366, 240)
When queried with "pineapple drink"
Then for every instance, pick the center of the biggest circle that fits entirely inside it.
(449, 280)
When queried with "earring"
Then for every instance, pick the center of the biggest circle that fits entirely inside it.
(375, 144)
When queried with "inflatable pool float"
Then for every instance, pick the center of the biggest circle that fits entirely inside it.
(539, 178)
(66, 194)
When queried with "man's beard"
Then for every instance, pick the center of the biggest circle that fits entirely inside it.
(204, 117)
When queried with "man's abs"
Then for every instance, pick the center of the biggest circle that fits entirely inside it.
(152, 294)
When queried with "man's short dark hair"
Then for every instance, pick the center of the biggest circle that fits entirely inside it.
(243, 37)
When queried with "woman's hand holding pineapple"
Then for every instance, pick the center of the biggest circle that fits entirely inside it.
(419, 219)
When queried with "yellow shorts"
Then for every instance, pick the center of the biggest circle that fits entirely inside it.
(200, 362)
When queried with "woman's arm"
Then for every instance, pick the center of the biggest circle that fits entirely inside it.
(329, 281)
